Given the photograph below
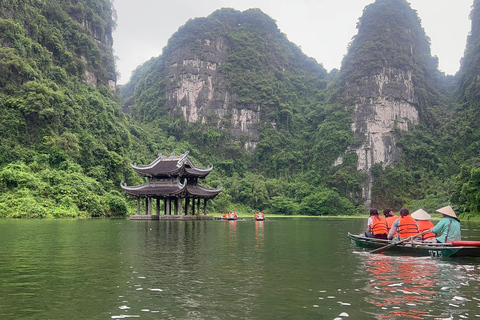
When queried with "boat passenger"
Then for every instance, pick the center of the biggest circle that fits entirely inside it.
(422, 218)
(390, 217)
(224, 216)
(377, 226)
(448, 229)
(405, 226)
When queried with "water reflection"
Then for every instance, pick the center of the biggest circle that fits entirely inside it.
(259, 235)
(278, 269)
(402, 287)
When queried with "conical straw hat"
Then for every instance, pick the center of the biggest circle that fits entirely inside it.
(448, 211)
(421, 214)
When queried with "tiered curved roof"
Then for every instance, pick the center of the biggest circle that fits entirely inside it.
(167, 167)
(173, 165)
(175, 190)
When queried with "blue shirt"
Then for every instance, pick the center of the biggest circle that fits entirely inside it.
(447, 229)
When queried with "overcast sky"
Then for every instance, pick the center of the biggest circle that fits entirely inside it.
(322, 28)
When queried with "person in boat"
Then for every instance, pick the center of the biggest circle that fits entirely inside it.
(447, 229)
(422, 218)
(390, 217)
(405, 226)
(376, 226)
(224, 216)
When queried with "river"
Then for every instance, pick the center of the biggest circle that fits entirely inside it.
(291, 268)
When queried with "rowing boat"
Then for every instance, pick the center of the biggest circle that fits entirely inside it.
(436, 250)
(229, 219)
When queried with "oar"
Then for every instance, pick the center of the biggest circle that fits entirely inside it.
(391, 245)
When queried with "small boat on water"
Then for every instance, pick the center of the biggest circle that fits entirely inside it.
(230, 219)
(259, 216)
(435, 250)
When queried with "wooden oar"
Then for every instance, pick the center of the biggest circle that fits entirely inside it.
(391, 245)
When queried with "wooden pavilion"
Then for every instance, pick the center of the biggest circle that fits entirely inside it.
(173, 179)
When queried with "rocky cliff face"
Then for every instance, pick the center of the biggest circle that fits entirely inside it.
(380, 78)
(232, 70)
(386, 101)
(196, 89)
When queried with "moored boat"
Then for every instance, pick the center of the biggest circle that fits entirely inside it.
(436, 250)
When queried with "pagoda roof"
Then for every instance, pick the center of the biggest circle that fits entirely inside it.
(172, 166)
(171, 190)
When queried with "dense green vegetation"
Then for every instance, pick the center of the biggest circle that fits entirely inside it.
(291, 166)
(65, 144)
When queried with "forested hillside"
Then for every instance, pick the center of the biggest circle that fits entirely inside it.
(284, 135)
(300, 134)
(64, 141)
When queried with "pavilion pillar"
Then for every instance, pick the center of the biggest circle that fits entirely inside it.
(138, 206)
(168, 208)
(198, 206)
(187, 206)
(158, 206)
(193, 206)
(149, 206)
(175, 206)
(146, 205)
(204, 206)
(180, 206)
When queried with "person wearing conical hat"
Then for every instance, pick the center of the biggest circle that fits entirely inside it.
(422, 218)
(448, 229)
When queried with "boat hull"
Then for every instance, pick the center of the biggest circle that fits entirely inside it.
(436, 250)
(229, 219)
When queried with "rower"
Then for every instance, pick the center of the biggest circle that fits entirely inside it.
(448, 229)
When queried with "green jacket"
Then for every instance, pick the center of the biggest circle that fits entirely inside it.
(447, 229)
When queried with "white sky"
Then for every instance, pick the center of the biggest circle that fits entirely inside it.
(322, 28)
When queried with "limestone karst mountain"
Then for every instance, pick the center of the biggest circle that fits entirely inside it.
(284, 135)
(388, 76)
(233, 70)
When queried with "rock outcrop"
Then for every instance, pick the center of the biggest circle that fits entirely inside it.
(196, 89)
(232, 70)
(380, 78)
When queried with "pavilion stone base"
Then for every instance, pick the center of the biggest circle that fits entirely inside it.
(169, 217)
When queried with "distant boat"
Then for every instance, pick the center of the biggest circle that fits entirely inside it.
(435, 250)
(229, 216)
(259, 216)
(230, 219)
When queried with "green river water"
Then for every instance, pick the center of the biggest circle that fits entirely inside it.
(288, 268)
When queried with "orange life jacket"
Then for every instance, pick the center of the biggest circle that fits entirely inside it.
(390, 221)
(379, 225)
(407, 227)
(424, 225)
